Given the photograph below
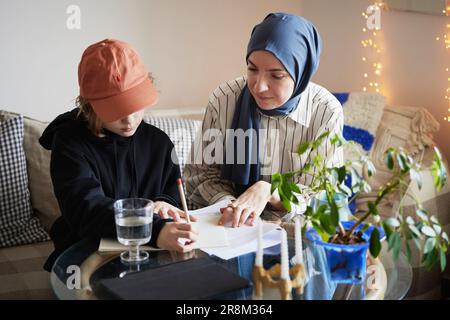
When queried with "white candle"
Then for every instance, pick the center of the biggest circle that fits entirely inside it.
(298, 241)
(284, 256)
(259, 251)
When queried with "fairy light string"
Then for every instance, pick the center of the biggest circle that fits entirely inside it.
(446, 40)
(371, 43)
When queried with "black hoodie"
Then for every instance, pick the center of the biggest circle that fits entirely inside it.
(89, 173)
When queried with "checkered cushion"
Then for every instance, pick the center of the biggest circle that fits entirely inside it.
(18, 226)
(21, 273)
(181, 131)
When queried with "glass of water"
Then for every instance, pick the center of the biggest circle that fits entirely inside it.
(134, 219)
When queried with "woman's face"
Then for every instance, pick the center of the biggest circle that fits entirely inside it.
(268, 81)
(126, 126)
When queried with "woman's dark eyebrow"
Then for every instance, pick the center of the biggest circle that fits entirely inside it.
(249, 61)
(271, 70)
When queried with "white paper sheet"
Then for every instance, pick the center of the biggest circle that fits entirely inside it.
(270, 239)
(242, 240)
(211, 234)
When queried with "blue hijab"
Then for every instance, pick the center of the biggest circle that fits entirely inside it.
(295, 42)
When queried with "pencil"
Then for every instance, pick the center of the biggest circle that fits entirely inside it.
(183, 200)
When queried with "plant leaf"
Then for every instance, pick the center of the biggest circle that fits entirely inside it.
(438, 170)
(284, 200)
(434, 220)
(409, 220)
(408, 251)
(295, 188)
(389, 159)
(392, 239)
(323, 234)
(422, 213)
(371, 170)
(430, 259)
(375, 245)
(335, 140)
(414, 229)
(276, 180)
(303, 148)
(403, 164)
(387, 229)
(429, 245)
(343, 188)
(437, 228)
(309, 211)
(325, 222)
(428, 231)
(397, 245)
(393, 222)
(443, 259)
(341, 174)
(372, 208)
(416, 177)
(417, 243)
(334, 213)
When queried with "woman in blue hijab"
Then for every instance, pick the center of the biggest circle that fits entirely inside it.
(277, 108)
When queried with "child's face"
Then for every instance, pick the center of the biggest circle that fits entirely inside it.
(126, 126)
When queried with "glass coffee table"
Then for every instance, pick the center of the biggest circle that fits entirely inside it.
(77, 271)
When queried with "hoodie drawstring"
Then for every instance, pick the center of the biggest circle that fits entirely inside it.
(116, 185)
(134, 186)
(133, 170)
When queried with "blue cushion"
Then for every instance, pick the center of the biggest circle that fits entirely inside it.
(362, 115)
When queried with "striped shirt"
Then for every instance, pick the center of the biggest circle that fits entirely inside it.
(318, 111)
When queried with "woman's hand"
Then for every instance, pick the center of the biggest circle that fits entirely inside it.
(166, 210)
(172, 231)
(249, 205)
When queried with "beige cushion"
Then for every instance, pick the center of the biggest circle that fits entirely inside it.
(21, 272)
(409, 127)
(38, 169)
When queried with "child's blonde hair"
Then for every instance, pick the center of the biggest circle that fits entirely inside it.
(95, 125)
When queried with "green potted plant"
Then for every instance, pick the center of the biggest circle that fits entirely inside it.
(346, 243)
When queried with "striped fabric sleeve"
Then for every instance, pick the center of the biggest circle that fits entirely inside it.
(203, 182)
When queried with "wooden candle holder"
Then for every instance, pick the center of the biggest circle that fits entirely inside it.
(263, 277)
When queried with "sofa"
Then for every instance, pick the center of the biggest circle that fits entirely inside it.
(21, 273)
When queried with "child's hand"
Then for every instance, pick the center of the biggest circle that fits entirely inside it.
(166, 210)
(172, 231)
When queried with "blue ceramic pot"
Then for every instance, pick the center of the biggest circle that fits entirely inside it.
(346, 263)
